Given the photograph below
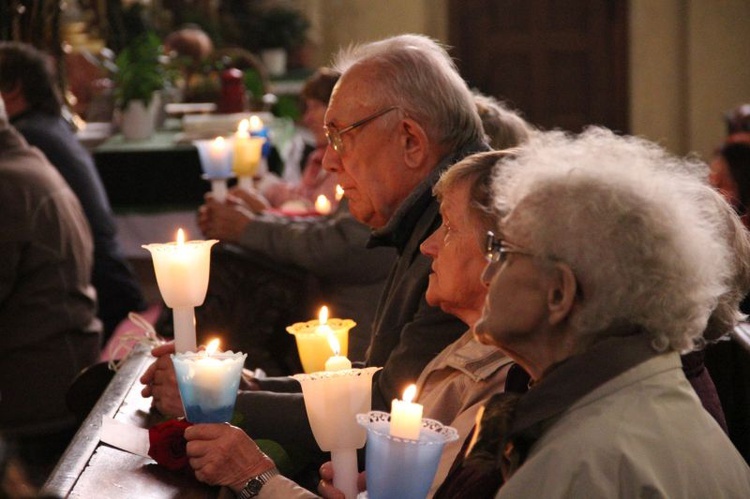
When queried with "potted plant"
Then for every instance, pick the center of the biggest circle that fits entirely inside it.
(281, 30)
(139, 78)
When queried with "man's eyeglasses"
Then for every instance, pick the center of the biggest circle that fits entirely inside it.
(334, 135)
(497, 250)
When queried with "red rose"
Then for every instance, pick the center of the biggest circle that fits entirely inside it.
(167, 444)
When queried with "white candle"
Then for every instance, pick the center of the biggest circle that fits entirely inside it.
(406, 416)
(209, 376)
(322, 205)
(218, 150)
(182, 275)
(182, 270)
(336, 362)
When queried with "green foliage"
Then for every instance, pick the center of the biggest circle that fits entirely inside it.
(253, 82)
(140, 72)
(282, 28)
(287, 106)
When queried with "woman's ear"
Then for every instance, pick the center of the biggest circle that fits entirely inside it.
(414, 142)
(561, 294)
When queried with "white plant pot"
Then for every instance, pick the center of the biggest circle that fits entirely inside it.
(137, 121)
(274, 60)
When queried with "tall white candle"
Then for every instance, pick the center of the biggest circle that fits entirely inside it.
(182, 270)
(406, 416)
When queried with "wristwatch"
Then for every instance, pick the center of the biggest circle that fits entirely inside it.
(253, 486)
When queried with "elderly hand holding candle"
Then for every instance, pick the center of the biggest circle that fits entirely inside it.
(161, 383)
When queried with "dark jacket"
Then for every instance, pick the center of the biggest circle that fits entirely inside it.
(117, 289)
(48, 328)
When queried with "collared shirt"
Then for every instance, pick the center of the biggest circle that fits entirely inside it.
(453, 387)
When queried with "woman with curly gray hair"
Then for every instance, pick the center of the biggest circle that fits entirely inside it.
(609, 264)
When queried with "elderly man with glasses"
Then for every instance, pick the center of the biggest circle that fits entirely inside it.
(399, 116)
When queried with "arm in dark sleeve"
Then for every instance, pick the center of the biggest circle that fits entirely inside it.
(421, 340)
(330, 247)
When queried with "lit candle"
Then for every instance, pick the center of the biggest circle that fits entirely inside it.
(336, 362)
(216, 162)
(182, 270)
(322, 205)
(339, 192)
(209, 374)
(247, 154)
(256, 124)
(312, 339)
(406, 416)
(208, 383)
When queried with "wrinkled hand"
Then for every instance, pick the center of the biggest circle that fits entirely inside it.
(326, 488)
(221, 454)
(223, 221)
(161, 383)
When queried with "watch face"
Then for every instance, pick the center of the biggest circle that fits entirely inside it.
(254, 486)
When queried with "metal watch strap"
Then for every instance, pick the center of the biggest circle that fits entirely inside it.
(253, 486)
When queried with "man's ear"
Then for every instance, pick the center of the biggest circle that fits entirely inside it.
(561, 293)
(414, 142)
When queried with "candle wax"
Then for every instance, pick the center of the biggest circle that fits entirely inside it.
(338, 363)
(406, 419)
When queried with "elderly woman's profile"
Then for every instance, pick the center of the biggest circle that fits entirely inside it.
(613, 258)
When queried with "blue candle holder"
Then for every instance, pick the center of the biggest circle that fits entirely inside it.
(216, 163)
(398, 467)
(208, 384)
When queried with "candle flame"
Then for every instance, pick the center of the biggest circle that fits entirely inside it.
(323, 315)
(322, 205)
(255, 123)
(243, 127)
(213, 346)
(334, 343)
(339, 192)
(180, 237)
(219, 142)
(409, 393)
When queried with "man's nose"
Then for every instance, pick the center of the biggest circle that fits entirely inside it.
(331, 160)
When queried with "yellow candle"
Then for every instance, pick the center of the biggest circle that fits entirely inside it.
(406, 416)
(336, 362)
(322, 205)
(312, 339)
(247, 151)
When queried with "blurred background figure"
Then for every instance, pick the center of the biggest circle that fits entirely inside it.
(33, 104)
(728, 361)
(737, 122)
(503, 126)
(47, 303)
(304, 179)
(730, 174)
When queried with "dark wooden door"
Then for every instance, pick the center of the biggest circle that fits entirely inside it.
(562, 63)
